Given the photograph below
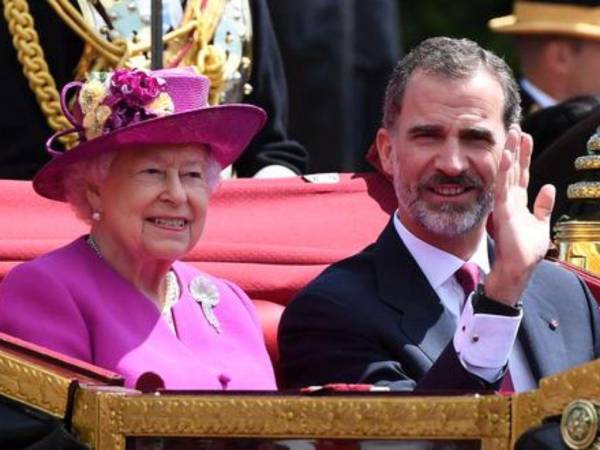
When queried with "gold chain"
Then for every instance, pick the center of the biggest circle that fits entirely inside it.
(31, 56)
(101, 54)
(196, 30)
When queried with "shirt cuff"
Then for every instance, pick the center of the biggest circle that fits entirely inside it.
(483, 342)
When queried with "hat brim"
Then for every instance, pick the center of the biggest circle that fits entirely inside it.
(226, 130)
(510, 25)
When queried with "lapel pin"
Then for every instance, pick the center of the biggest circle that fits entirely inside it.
(553, 324)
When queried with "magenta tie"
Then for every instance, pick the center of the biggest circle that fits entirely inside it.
(506, 386)
(468, 277)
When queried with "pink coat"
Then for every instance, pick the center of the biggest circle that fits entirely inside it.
(72, 301)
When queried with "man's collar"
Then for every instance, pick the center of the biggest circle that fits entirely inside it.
(542, 99)
(436, 264)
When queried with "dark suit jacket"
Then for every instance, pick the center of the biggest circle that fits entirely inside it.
(528, 104)
(374, 318)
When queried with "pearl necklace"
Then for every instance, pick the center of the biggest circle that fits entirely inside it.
(172, 291)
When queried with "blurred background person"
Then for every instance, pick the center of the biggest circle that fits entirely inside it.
(558, 47)
(547, 125)
(337, 56)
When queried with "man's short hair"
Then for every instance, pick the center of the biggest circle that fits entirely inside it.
(454, 59)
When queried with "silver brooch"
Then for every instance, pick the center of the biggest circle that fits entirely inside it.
(206, 293)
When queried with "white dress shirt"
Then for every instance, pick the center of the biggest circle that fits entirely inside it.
(484, 342)
(538, 96)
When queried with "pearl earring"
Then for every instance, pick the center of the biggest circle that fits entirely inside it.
(96, 216)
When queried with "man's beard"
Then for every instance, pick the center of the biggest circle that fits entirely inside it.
(447, 219)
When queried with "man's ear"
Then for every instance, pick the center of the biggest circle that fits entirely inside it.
(383, 141)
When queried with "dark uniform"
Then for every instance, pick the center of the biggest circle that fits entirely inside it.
(24, 129)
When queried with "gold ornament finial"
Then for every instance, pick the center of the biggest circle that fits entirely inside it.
(593, 143)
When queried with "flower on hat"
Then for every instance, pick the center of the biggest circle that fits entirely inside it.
(110, 101)
(161, 105)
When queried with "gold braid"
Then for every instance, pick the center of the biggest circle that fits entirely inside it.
(198, 28)
(31, 56)
(208, 59)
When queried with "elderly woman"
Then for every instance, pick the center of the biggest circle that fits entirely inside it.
(149, 157)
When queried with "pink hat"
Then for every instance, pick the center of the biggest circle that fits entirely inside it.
(129, 109)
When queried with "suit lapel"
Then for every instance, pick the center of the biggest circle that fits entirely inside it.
(403, 286)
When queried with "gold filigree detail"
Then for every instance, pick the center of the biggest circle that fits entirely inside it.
(33, 385)
(584, 189)
(554, 394)
(86, 416)
(593, 143)
(559, 390)
(120, 415)
(587, 163)
(526, 413)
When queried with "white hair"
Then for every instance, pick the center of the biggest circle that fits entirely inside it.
(94, 172)
(80, 177)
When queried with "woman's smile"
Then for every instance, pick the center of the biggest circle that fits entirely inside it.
(169, 223)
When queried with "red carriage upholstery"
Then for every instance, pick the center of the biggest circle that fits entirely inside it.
(270, 237)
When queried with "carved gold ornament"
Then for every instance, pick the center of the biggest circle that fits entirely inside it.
(579, 424)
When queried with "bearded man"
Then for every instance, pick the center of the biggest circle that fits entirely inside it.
(434, 302)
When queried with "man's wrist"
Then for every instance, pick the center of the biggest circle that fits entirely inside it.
(484, 304)
(505, 289)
